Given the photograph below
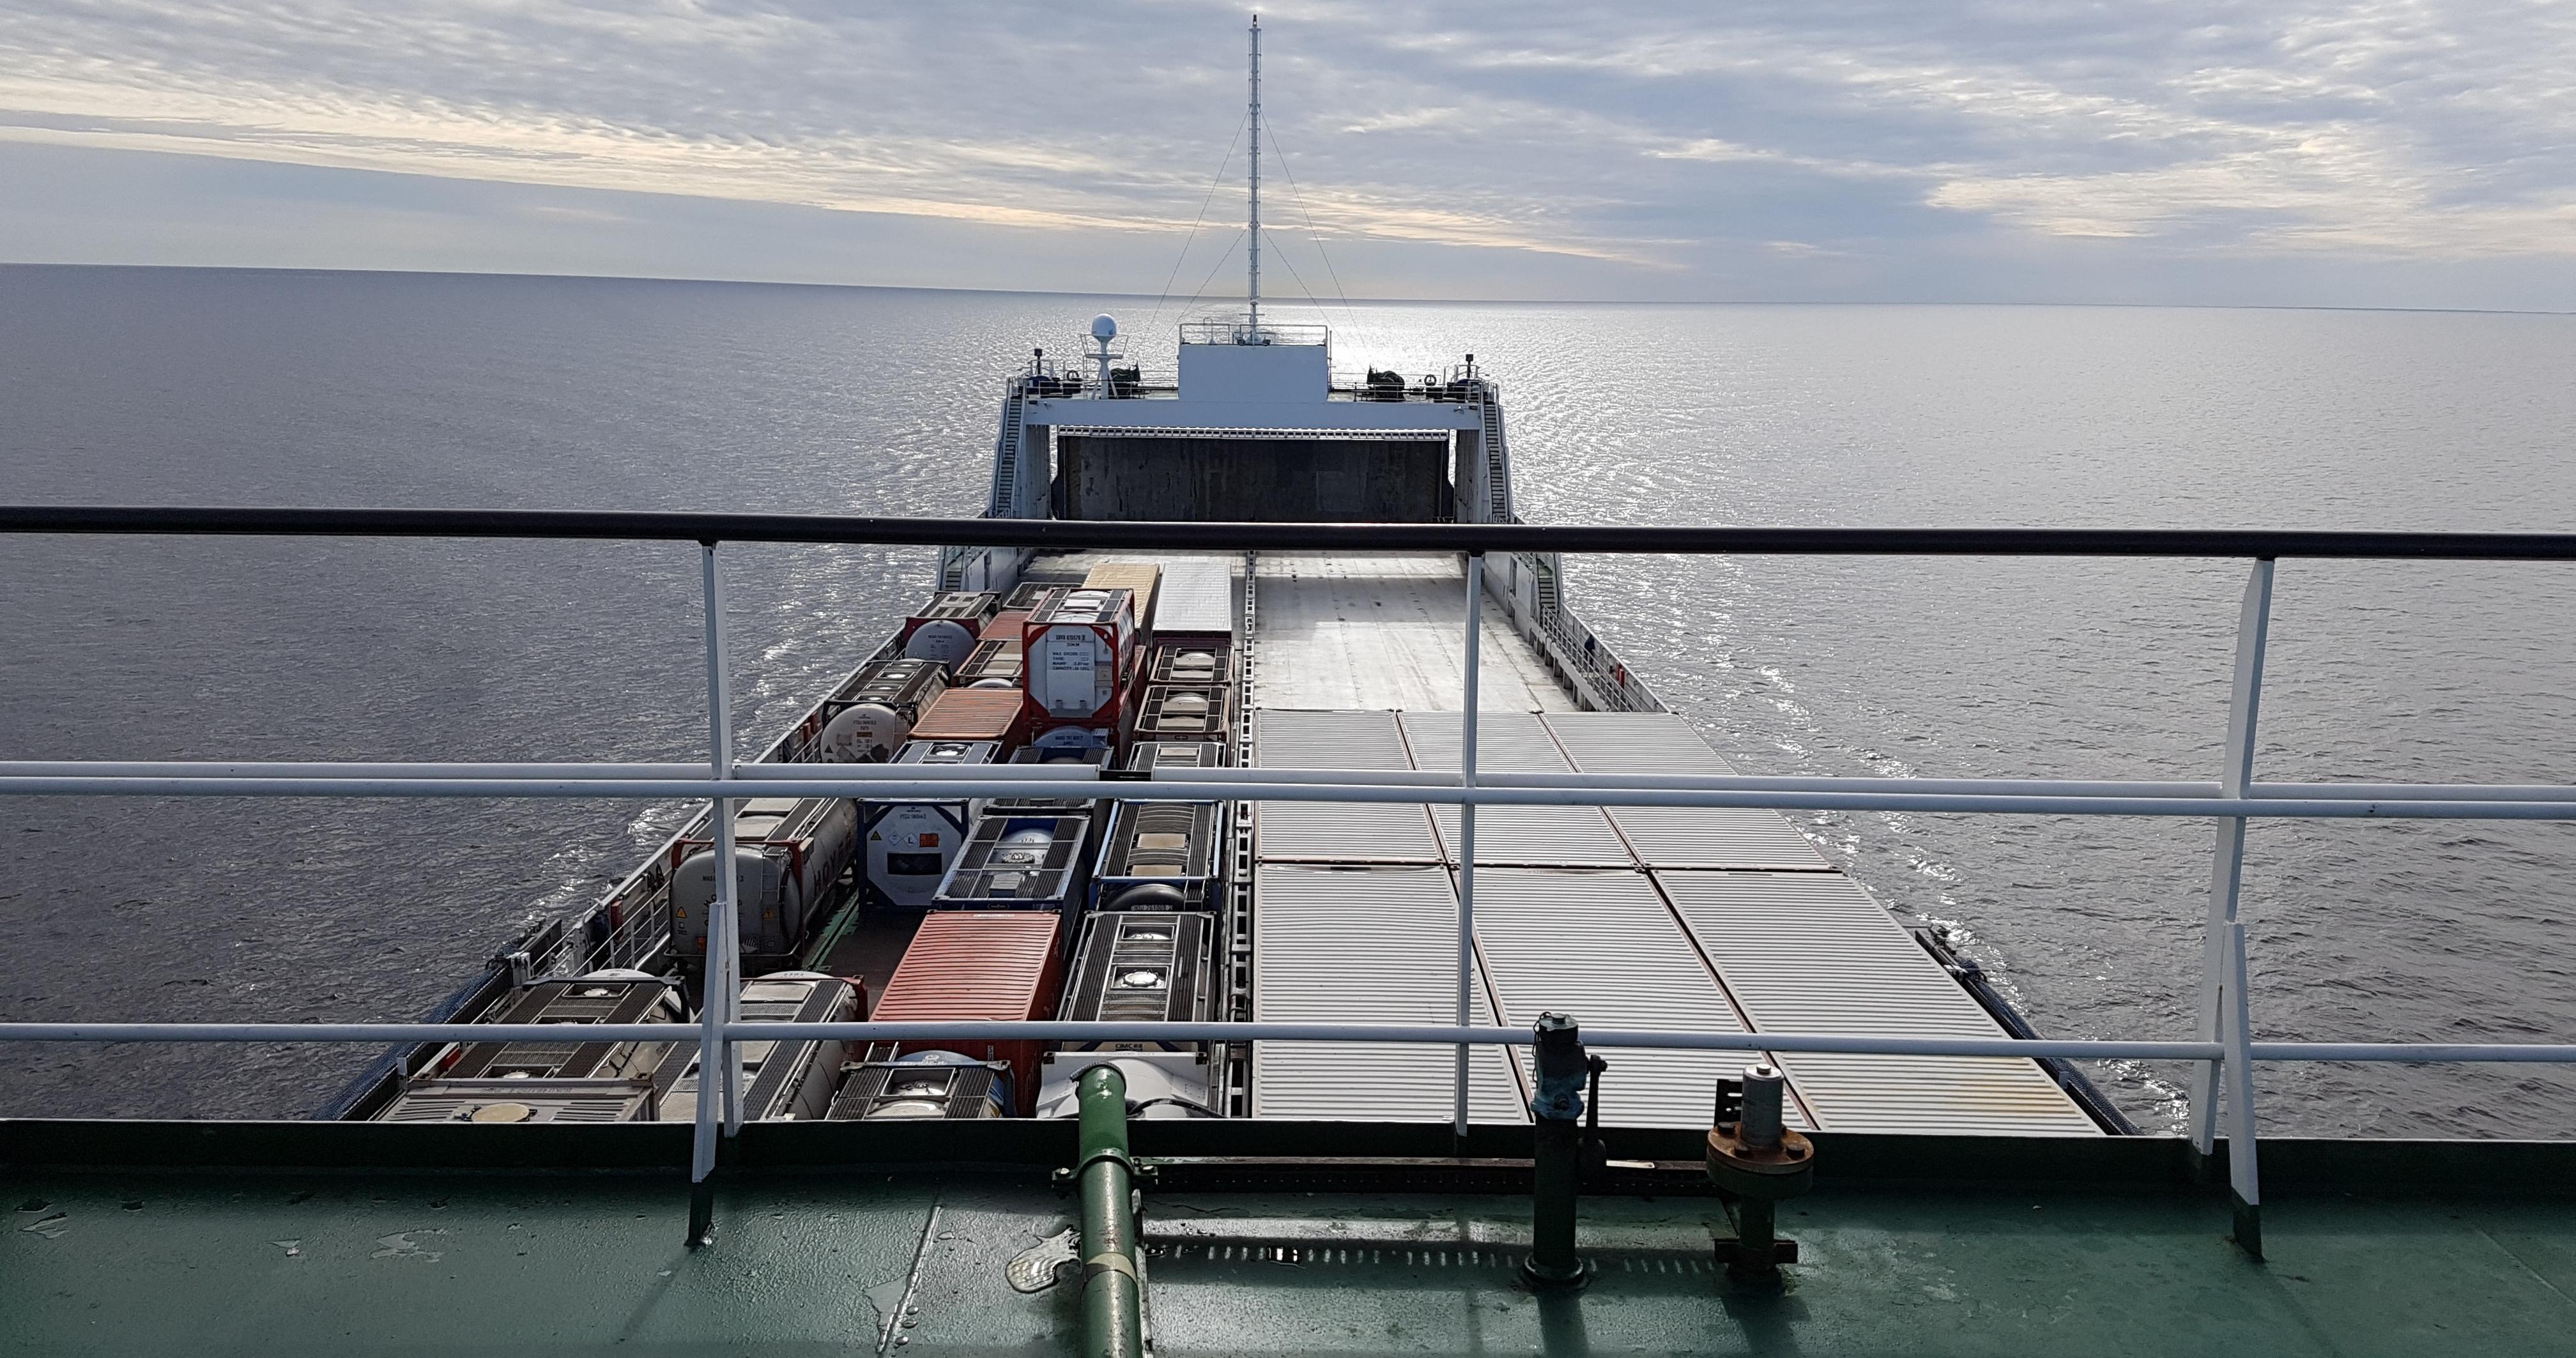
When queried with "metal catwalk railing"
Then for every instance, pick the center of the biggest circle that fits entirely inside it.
(2223, 1049)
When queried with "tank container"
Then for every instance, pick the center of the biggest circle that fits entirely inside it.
(1090, 807)
(947, 628)
(1158, 1088)
(780, 1080)
(873, 715)
(1142, 969)
(1019, 862)
(1084, 733)
(925, 1086)
(589, 1000)
(1162, 856)
(912, 842)
(506, 1102)
(1078, 656)
(1171, 712)
(1200, 664)
(789, 855)
(1029, 597)
(1145, 756)
(994, 662)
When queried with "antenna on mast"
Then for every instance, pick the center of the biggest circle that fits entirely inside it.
(1252, 288)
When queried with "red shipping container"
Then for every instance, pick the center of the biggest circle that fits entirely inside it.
(990, 965)
(1005, 624)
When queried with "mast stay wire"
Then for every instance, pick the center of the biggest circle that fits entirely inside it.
(1211, 273)
(1312, 235)
(1186, 241)
(1284, 258)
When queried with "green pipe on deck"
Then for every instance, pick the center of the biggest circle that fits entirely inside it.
(1112, 1299)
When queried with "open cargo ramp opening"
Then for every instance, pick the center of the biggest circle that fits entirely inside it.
(1290, 476)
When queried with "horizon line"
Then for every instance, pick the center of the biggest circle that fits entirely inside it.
(1316, 304)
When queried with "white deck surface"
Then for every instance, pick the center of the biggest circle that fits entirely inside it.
(1385, 631)
(1680, 919)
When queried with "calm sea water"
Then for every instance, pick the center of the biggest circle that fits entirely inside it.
(143, 386)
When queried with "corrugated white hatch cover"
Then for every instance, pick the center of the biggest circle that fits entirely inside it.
(1365, 945)
(1677, 836)
(1513, 742)
(1336, 832)
(1600, 946)
(1810, 952)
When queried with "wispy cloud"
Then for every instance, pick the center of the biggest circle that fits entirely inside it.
(1653, 138)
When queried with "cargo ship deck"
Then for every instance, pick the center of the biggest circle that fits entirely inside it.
(1943, 1259)
(1683, 919)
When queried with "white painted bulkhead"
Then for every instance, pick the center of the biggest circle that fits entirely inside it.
(1259, 374)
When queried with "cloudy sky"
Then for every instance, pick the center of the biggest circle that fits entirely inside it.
(2253, 152)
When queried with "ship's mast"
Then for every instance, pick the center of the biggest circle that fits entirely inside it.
(1252, 289)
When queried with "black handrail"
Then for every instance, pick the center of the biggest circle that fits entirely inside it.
(1345, 537)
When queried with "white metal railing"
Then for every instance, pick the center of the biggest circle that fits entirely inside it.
(2223, 1048)
(1248, 330)
(1136, 382)
(1436, 1035)
(2010, 796)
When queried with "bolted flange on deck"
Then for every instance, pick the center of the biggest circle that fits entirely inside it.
(1758, 1160)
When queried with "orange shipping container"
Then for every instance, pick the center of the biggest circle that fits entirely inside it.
(993, 965)
(971, 714)
(1139, 578)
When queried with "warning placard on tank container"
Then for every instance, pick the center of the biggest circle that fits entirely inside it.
(1076, 673)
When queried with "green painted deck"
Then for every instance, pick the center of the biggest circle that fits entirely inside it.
(274, 1261)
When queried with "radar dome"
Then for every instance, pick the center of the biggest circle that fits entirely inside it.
(1104, 327)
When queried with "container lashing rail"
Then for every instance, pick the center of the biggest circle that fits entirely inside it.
(2222, 1049)
(1242, 889)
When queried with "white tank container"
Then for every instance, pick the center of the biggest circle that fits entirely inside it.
(864, 733)
(912, 843)
(1076, 653)
(1077, 737)
(944, 641)
(874, 713)
(946, 629)
(788, 854)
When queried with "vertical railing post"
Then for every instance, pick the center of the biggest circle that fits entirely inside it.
(718, 1101)
(2223, 1006)
(2243, 1184)
(1467, 825)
